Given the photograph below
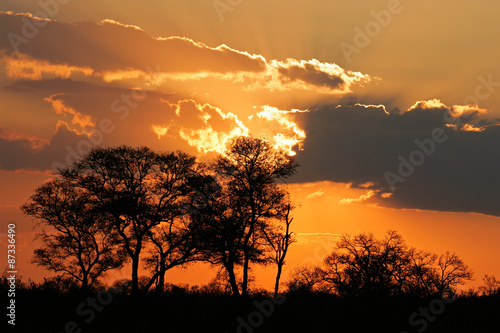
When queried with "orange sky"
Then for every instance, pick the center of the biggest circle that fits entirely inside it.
(189, 75)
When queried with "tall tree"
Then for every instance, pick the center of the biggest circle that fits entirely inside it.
(246, 201)
(139, 188)
(76, 235)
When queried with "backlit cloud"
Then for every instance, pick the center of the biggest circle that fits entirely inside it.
(361, 144)
(203, 126)
(114, 52)
(292, 74)
(209, 128)
(111, 46)
(77, 118)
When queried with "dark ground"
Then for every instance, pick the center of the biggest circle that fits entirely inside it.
(180, 311)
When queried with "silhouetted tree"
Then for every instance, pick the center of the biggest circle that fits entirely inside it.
(364, 265)
(307, 279)
(77, 238)
(140, 189)
(421, 279)
(279, 240)
(451, 272)
(491, 285)
(243, 205)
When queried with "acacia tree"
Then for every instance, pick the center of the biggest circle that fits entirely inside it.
(364, 265)
(140, 189)
(78, 241)
(244, 204)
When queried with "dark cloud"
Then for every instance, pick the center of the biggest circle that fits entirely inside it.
(311, 74)
(20, 153)
(110, 46)
(366, 145)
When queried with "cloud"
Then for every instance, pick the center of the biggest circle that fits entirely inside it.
(202, 126)
(110, 46)
(77, 117)
(360, 144)
(286, 134)
(23, 67)
(316, 194)
(29, 140)
(292, 74)
(209, 128)
(364, 197)
(136, 117)
(327, 240)
(115, 52)
(30, 153)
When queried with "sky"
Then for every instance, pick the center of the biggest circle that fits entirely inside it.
(390, 108)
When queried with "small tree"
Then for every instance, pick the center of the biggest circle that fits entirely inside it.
(491, 286)
(78, 241)
(279, 241)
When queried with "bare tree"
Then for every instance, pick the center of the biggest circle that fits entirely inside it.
(78, 241)
(491, 286)
(451, 271)
(280, 241)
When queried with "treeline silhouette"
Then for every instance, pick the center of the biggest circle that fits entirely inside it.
(124, 205)
(58, 305)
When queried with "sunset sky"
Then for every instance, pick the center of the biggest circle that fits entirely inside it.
(390, 107)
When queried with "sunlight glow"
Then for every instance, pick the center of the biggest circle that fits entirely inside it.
(282, 141)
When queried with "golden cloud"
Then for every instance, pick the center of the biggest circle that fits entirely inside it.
(77, 117)
(26, 68)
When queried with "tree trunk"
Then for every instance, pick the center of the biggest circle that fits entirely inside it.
(277, 283)
(85, 282)
(246, 262)
(135, 274)
(232, 281)
(244, 285)
(161, 278)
